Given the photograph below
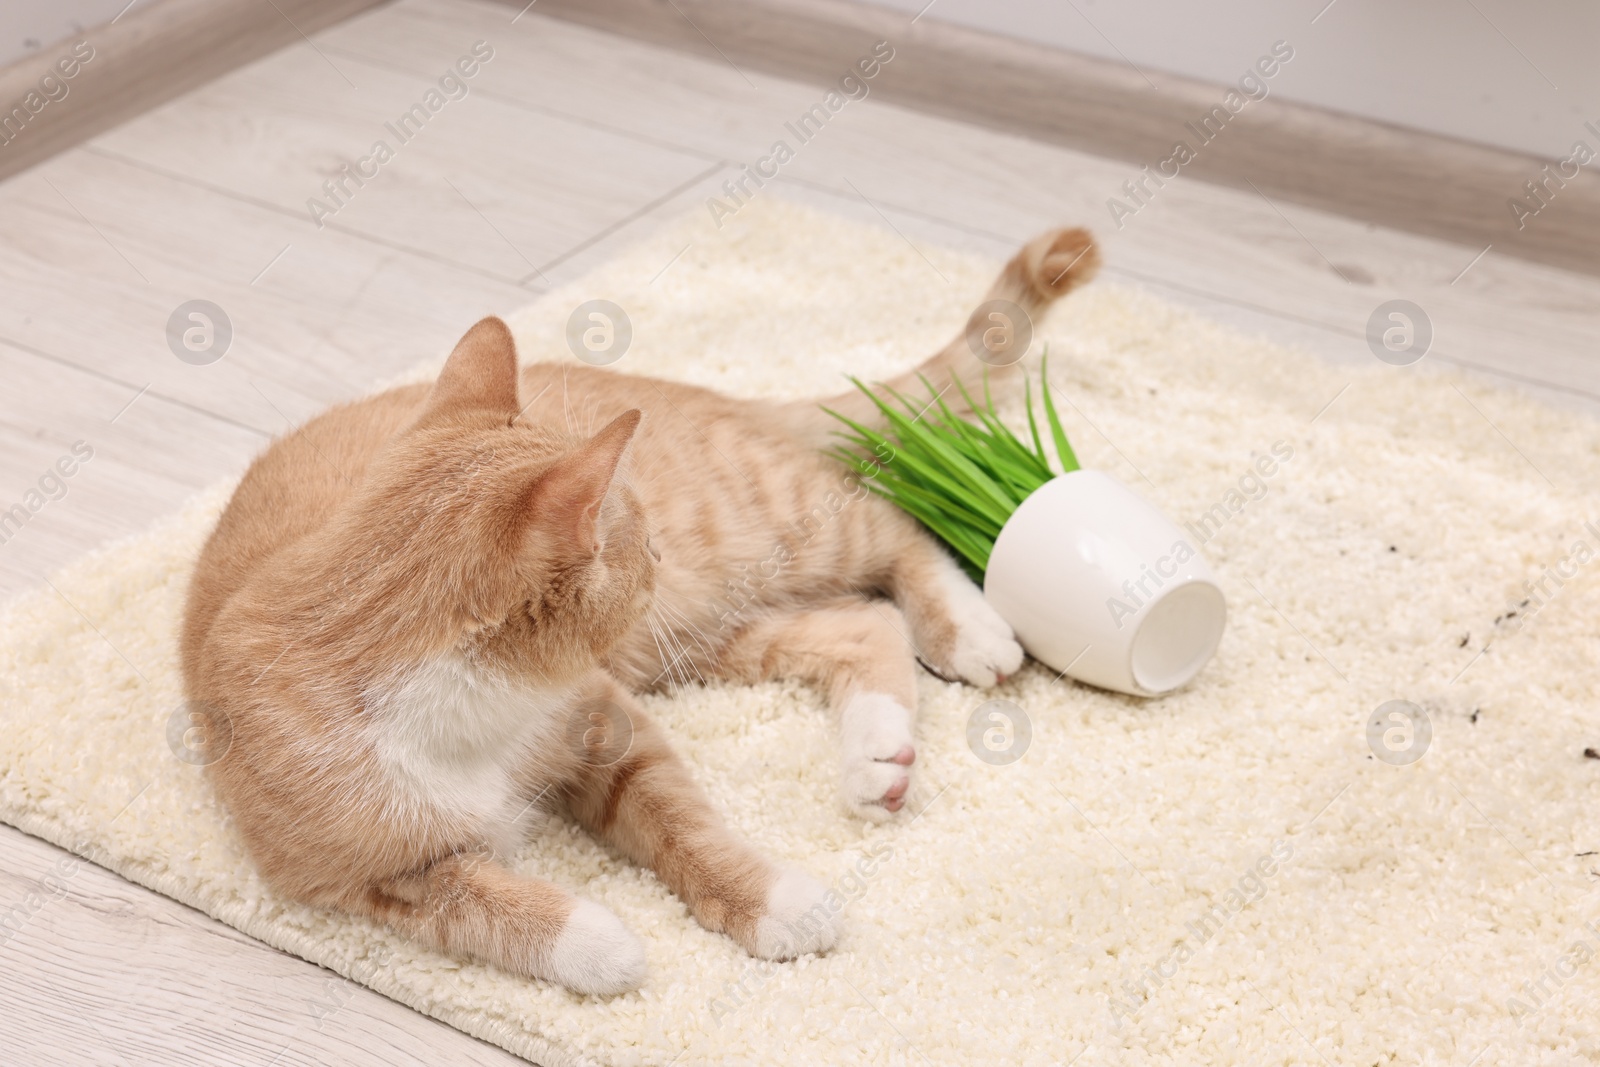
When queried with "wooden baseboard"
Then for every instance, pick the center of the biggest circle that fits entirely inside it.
(155, 51)
(1423, 183)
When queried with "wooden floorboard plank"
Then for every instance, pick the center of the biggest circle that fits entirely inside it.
(483, 183)
(649, 95)
(144, 57)
(316, 318)
(147, 455)
(107, 972)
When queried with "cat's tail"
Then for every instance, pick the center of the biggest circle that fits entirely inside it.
(995, 337)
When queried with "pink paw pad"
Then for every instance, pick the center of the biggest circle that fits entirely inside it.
(895, 798)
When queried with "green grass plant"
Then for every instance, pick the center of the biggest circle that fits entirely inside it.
(961, 477)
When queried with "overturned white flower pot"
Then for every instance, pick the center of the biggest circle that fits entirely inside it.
(1099, 584)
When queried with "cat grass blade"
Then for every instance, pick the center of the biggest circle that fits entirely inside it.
(1069, 459)
(1033, 424)
(988, 452)
(1002, 434)
(945, 450)
(968, 541)
(961, 477)
(927, 471)
(935, 503)
(1010, 438)
(958, 465)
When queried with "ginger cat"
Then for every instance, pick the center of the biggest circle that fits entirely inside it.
(424, 613)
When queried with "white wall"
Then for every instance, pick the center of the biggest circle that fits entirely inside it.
(1436, 65)
(28, 26)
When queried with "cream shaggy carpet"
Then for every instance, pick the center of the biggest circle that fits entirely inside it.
(1222, 876)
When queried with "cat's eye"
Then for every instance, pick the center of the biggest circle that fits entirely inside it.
(653, 550)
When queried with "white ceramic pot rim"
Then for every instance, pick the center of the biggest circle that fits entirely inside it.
(1159, 665)
(1099, 584)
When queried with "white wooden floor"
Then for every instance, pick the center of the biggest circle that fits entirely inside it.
(570, 145)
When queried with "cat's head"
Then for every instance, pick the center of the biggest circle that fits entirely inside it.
(526, 543)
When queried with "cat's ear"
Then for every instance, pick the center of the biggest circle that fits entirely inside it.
(567, 497)
(480, 375)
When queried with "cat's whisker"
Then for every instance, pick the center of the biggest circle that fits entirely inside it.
(692, 632)
(566, 400)
(655, 635)
(712, 649)
(682, 661)
(679, 623)
(671, 653)
(682, 664)
(701, 638)
(589, 416)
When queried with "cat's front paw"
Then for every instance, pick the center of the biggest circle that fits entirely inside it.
(986, 652)
(595, 953)
(875, 736)
(983, 651)
(798, 919)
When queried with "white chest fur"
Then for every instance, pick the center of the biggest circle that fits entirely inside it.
(451, 735)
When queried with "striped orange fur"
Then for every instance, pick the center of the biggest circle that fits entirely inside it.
(427, 613)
